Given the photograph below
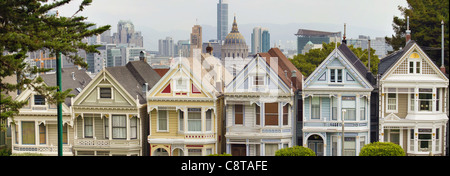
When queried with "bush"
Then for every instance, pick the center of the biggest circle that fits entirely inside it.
(223, 154)
(382, 149)
(295, 151)
(5, 152)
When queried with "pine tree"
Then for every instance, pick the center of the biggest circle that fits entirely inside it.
(26, 26)
(425, 24)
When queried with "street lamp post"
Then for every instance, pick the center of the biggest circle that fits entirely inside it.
(342, 138)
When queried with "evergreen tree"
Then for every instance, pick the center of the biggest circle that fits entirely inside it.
(425, 24)
(26, 26)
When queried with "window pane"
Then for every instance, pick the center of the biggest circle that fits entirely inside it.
(208, 120)
(315, 108)
(181, 120)
(133, 127)
(39, 100)
(411, 67)
(332, 75)
(194, 119)
(271, 113)
(28, 133)
(238, 114)
(270, 149)
(105, 92)
(65, 134)
(285, 114)
(258, 114)
(339, 77)
(162, 120)
(88, 128)
(418, 67)
(41, 134)
(119, 127)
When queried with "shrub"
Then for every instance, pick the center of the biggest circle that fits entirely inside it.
(5, 152)
(223, 154)
(295, 151)
(382, 149)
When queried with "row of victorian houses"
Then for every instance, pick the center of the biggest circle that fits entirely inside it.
(199, 107)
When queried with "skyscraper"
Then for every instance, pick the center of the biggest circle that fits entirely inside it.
(316, 37)
(222, 20)
(196, 38)
(166, 47)
(260, 40)
(126, 35)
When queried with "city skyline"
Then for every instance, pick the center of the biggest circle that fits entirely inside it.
(175, 18)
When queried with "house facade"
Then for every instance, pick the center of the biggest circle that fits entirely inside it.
(185, 111)
(259, 106)
(34, 129)
(336, 105)
(413, 102)
(109, 115)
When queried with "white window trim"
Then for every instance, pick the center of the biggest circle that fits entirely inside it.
(336, 75)
(310, 109)
(415, 60)
(396, 103)
(201, 122)
(212, 124)
(175, 82)
(112, 92)
(157, 121)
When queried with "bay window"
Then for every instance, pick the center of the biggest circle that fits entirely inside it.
(133, 127)
(238, 114)
(162, 120)
(208, 120)
(392, 102)
(88, 126)
(349, 104)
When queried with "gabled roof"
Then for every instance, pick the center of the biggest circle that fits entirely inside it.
(81, 80)
(356, 62)
(133, 76)
(283, 64)
(387, 62)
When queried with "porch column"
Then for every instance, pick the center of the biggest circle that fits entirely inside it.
(36, 132)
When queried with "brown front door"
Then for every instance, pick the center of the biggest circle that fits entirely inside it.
(238, 150)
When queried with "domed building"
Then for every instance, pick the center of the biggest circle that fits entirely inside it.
(234, 45)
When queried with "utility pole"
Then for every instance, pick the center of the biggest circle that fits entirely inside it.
(58, 82)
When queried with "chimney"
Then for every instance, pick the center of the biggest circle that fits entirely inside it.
(145, 88)
(73, 75)
(142, 56)
(209, 49)
(408, 32)
(442, 48)
(344, 41)
(294, 79)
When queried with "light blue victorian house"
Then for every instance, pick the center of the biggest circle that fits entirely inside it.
(337, 92)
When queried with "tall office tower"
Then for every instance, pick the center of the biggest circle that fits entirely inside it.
(222, 20)
(126, 35)
(166, 47)
(196, 38)
(316, 37)
(260, 40)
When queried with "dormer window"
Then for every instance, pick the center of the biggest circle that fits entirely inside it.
(105, 92)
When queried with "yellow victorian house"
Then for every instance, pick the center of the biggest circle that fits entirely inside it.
(184, 109)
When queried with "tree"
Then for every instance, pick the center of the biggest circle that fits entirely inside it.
(295, 151)
(25, 26)
(308, 62)
(382, 149)
(425, 24)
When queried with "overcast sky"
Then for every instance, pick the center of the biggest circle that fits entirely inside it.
(167, 15)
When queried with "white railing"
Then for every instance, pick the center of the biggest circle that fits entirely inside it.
(336, 124)
(106, 143)
(39, 149)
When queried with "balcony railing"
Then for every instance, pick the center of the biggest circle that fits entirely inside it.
(39, 149)
(105, 143)
(336, 124)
